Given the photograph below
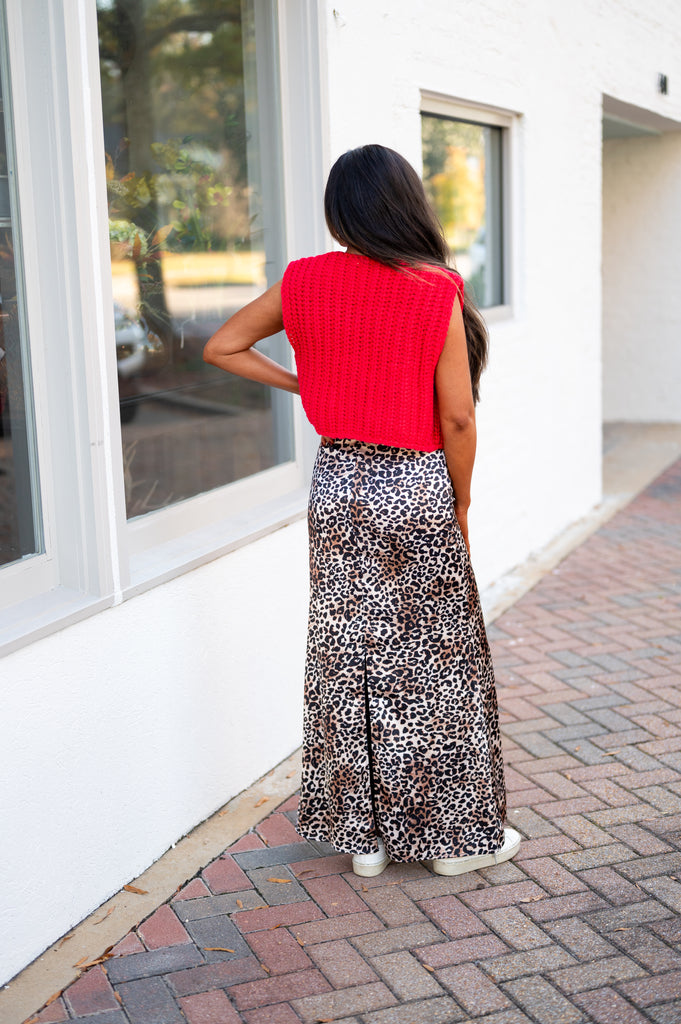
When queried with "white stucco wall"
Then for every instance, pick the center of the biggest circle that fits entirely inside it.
(539, 455)
(124, 731)
(539, 459)
(641, 289)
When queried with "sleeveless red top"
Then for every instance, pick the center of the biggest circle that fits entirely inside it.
(367, 339)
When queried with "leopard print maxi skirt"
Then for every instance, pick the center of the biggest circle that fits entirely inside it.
(401, 732)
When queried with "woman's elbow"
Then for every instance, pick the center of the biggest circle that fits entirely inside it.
(211, 352)
(459, 420)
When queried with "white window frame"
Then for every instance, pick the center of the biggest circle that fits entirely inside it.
(22, 578)
(93, 556)
(171, 540)
(463, 110)
(74, 575)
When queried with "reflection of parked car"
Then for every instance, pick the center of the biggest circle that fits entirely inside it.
(138, 350)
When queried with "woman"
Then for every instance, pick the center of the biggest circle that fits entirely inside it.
(402, 755)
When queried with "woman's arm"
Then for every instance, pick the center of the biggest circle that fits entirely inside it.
(457, 415)
(231, 347)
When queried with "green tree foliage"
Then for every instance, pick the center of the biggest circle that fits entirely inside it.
(172, 76)
(454, 177)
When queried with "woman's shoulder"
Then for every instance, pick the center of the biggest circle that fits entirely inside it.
(338, 265)
(311, 262)
(336, 268)
(437, 272)
(308, 268)
(448, 282)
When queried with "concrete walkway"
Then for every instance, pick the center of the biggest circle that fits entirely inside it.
(582, 926)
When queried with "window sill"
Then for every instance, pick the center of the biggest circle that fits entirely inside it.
(166, 561)
(46, 613)
(56, 609)
(497, 314)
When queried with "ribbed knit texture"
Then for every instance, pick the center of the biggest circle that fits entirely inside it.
(367, 339)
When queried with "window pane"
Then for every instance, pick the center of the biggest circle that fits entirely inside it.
(192, 152)
(462, 176)
(19, 510)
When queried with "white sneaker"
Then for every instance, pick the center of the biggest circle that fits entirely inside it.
(368, 865)
(459, 865)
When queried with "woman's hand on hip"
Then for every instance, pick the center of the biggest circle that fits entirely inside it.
(231, 347)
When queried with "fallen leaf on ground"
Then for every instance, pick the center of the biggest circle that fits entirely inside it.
(291, 774)
(265, 968)
(109, 911)
(307, 871)
(119, 997)
(55, 995)
(261, 801)
(239, 904)
(611, 753)
(133, 888)
(299, 940)
(365, 888)
(276, 926)
(91, 963)
(65, 939)
(532, 899)
(31, 1020)
(280, 881)
(219, 949)
(428, 967)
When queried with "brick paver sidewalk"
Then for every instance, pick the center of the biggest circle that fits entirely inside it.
(582, 926)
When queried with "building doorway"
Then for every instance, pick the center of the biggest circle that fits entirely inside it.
(641, 325)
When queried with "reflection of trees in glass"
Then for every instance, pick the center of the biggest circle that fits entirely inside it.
(173, 101)
(454, 177)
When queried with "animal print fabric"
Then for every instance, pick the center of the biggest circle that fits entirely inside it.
(401, 732)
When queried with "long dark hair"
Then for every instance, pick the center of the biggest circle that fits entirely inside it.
(375, 203)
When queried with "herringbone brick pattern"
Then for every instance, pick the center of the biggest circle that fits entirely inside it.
(583, 926)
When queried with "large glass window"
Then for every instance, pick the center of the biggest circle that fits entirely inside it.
(191, 131)
(20, 533)
(462, 173)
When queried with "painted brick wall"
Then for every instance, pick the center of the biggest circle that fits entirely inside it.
(539, 461)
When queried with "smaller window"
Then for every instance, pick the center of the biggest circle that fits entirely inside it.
(463, 174)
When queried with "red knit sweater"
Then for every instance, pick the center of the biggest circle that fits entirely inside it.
(367, 339)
